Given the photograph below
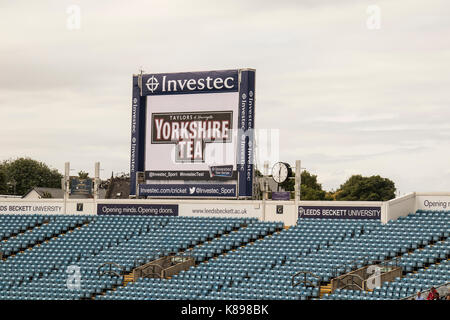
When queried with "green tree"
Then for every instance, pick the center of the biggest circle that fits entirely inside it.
(3, 185)
(83, 175)
(330, 196)
(289, 184)
(310, 189)
(359, 188)
(46, 195)
(26, 173)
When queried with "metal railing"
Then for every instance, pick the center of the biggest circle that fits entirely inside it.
(146, 258)
(110, 271)
(365, 260)
(150, 271)
(305, 281)
(352, 283)
(163, 267)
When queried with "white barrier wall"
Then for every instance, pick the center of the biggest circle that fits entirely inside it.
(88, 206)
(277, 211)
(281, 211)
(433, 201)
(412, 202)
(188, 208)
(22, 206)
(251, 209)
(399, 207)
(47, 206)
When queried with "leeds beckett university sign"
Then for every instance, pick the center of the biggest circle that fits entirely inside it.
(332, 212)
(31, 208)
(192, 129)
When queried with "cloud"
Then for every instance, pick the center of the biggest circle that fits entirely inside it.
(345, 99)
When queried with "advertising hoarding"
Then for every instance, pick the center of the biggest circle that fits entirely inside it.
(193, 129)
(126, 209)
(433, 202)
(80, 186)
(339, 212)
(220, 210)
(281, 195)
(26, 207)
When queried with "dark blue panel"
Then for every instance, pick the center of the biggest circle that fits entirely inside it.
(187, 190)
(137, 209)
(246, 125)
(137, 153)
(242, 128)
(332, 212)
(250, 141)
(282, 195)
(190, 82)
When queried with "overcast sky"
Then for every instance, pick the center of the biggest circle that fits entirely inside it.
(346, 98)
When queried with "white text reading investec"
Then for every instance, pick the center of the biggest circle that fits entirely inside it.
(192, 84)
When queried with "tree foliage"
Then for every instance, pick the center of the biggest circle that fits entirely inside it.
(359, 188)
(356, 188)
(46, 195)
(22, 174)
(310, 188)
(83, 175)
(3, 185)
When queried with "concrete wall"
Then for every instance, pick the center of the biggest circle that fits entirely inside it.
(221, 208)
(399, 207)
(287, 212)
(46, 206)
(26, 206)
(89, 206)
(276, 211)
(279, 211)
(412, 202)
(433, 201)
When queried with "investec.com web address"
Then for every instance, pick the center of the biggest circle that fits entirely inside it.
(220, 211)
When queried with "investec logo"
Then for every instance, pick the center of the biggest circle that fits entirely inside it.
(152, 84)
(200, 84)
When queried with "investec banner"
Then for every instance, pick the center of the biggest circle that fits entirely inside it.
(194, 129)
(137, 209)
(341, 212)
(188, 190)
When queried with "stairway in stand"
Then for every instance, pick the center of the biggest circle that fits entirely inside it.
(128, 278)
(326, 289)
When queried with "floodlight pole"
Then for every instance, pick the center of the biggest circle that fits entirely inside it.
(265, 185)
(96, 180)
(137, 185)
(66, 184)
(266, 181)
(298, 180)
